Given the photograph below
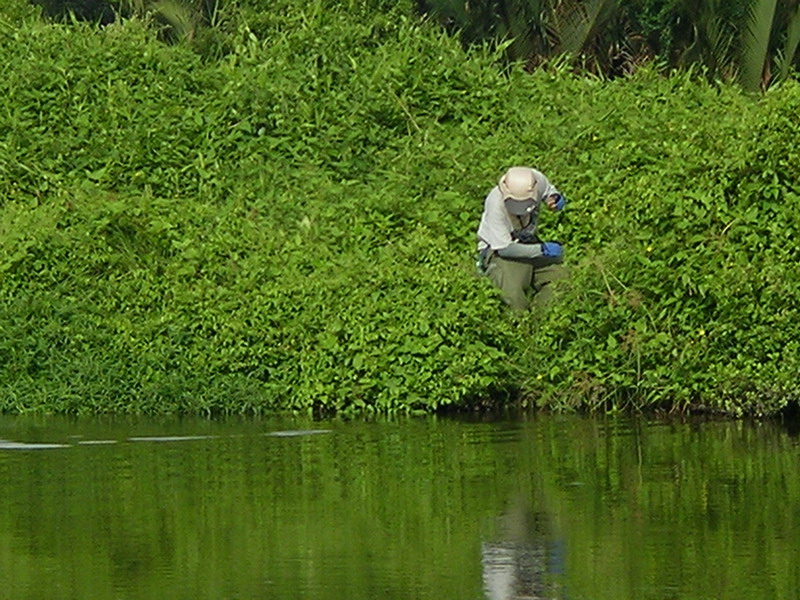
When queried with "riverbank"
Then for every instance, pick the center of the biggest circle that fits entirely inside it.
(291, 227)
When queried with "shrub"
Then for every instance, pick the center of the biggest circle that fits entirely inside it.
(292, 226)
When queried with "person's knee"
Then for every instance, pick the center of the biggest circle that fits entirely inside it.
(511, 291)
(550, 274)
(546, 285)
(513, 280)
(516, 299)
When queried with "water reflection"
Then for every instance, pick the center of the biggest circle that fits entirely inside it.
(527, 562)
(170, 438)
(430, 509)
(297, 432)
(76, 439)
(9, 445)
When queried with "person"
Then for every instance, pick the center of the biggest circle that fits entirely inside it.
(510, 251)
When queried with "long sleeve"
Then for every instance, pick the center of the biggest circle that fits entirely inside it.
(496, 227)
(544, 187)
(517, 251)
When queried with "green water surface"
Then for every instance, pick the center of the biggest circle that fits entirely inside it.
(535, 507)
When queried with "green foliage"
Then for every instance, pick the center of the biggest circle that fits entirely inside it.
(683, 295)
(13, 12)
(241, 236)
(292, 226)
(752, 41)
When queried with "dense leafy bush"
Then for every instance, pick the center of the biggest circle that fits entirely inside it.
(14, 12)
(685, 286)
(239, 236)
(292, 227)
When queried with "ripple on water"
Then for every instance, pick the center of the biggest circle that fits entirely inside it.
(9, 445)
(298, 432)
(96, 442)
(171, 438)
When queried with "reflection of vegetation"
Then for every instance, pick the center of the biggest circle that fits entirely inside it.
(374, 510)
(698, 510)
(341, 515)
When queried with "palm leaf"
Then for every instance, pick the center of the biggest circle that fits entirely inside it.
(756, 43)
(180, 17)
(790, 47)
(578, 22)
(526, 26)
(718, 44)
(138, 7)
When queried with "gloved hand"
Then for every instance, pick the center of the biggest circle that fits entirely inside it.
(552, 249)
(560, 202)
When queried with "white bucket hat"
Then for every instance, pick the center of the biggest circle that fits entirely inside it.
(518, 187)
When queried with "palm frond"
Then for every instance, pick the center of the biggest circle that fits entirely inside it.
(212, 12)
(578, 21)
(137, 7)
(526, 25)
(790, 45)
(755, 43)
(180, 17)
(718, 45)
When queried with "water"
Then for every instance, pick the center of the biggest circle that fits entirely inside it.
(541, 507)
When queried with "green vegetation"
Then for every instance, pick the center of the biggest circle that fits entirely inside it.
(753, 42)
(288, 223)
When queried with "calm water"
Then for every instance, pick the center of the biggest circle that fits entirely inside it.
(543, 507)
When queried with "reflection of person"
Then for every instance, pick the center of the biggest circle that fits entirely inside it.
(511, 253)
(528, 563)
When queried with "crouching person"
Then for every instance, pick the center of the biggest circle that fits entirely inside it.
(510, 251)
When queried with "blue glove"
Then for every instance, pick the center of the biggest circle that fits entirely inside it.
(552, 249)
(560, 202)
